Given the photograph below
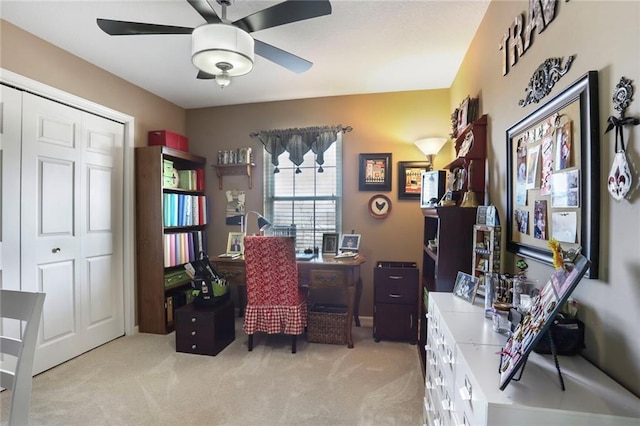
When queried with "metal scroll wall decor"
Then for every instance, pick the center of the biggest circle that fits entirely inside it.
(619, 182)
(544, 78)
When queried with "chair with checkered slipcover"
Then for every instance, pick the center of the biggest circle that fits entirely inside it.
(274, 302)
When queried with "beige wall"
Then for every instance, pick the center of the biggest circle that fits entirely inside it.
(23, 53)
(604, 36)
(381, 123)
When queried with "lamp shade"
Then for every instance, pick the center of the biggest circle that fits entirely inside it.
(221, 47)
(430, 146)
(263, 222)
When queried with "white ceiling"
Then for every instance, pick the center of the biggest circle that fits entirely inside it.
(364, 46)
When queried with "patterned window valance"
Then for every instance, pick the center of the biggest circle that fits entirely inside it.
(297, 142)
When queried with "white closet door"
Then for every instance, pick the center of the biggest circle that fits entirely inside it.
(71, 176)
(101, 230)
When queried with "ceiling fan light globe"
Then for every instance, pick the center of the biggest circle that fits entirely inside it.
(212, 44)
(223, 80)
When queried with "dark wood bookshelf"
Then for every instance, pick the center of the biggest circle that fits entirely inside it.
(150, 230)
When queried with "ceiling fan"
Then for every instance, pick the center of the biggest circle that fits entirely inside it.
(222, 49)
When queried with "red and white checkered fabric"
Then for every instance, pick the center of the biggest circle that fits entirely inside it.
(274, 302)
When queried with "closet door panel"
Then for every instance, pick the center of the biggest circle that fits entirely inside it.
(50, 243)
(101, 229)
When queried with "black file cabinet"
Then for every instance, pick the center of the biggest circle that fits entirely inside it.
(396, 296)
(204, 331)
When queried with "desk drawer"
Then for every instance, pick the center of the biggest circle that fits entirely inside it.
(327, 277)
(234, 274)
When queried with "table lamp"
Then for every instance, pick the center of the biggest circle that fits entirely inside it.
(263, 222)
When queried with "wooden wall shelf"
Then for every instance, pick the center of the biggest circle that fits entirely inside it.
(233, 170)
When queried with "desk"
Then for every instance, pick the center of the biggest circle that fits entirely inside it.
(320, 272)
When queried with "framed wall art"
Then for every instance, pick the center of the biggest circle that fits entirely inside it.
(409, 178)
(375, 172)
(553, 176)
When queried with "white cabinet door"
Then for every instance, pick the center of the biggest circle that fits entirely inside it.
(71, 242)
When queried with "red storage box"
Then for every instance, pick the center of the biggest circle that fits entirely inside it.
(170, 139)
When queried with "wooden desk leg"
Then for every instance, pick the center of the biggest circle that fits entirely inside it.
(350, 307)
(242, 299)
(356, 307)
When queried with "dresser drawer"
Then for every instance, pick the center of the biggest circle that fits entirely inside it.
(233, 274)
(396, 285)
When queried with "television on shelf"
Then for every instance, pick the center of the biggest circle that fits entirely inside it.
(432, 186)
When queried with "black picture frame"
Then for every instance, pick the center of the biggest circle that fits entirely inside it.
(410, 178)
(579, 104)
(330, 243)
(375, 172)
(537, 322)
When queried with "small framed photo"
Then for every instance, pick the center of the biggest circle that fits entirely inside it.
(235, 243)
(375, 172)
(465, 286)
(329, 243)
(349, 242)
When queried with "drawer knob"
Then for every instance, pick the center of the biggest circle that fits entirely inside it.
(193, 319)
(194, 346)
(193, 333)
(395, 277)
(395, 296)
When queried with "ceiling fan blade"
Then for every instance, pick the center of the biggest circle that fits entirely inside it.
(137, 28)
(281, 57)
(205, 76)
(284, 13)
(205, 10)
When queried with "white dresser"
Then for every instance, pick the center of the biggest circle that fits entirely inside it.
(462, 380)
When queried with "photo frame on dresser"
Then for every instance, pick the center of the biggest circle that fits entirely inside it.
(536, 323)
(553, 162)
(465, 286)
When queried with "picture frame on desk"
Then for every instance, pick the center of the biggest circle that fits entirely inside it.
(350, 243)
(330, 243)
(235, 243)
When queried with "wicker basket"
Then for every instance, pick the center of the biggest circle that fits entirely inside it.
(327, 324)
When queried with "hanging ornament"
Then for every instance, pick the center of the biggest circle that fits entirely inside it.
(619, 182)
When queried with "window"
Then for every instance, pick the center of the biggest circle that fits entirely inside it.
(309, 200)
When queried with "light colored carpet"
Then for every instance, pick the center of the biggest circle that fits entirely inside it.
(142, 380)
